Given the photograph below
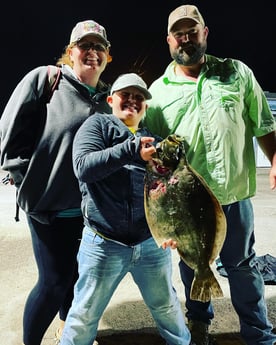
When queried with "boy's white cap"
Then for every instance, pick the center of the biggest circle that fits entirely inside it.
(130, 79)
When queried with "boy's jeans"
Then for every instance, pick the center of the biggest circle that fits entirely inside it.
(102, 266)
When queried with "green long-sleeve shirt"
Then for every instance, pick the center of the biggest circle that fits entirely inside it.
(218, 115)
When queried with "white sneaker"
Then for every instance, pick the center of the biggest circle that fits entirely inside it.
(58, 337)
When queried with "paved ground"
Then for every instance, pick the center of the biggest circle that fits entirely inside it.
(126, 321)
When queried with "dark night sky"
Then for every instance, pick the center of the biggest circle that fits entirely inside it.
(35, 33)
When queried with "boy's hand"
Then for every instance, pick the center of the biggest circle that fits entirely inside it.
(169, 243)
(147, 149)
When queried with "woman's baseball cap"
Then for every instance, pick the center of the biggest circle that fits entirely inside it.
(86, 28)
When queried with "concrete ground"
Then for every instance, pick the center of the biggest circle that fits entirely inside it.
(126, 320)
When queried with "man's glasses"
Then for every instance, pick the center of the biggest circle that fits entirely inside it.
(99, 47)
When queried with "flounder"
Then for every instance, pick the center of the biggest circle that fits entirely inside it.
(179, 205)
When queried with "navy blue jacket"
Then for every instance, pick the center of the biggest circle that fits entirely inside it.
(107, 162)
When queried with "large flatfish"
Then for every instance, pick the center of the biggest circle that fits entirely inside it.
(179, 205)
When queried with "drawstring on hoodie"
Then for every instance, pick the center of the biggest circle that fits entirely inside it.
(5, 180)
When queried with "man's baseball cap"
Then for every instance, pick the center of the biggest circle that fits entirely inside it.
(185, 12)
(86, 28)
(130, 79)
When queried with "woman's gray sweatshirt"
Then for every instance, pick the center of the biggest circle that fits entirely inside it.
(36, 140)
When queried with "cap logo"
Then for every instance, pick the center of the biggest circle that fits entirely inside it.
(90, 26)
(183, 12)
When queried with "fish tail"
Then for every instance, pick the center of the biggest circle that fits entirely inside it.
(204, 288)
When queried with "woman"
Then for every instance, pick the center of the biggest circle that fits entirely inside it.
(36, 145)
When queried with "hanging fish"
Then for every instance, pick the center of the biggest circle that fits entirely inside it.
(180, 206)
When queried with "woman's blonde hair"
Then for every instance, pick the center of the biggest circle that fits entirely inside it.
(65, 57)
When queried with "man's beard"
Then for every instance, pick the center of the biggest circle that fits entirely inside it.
(182, 58)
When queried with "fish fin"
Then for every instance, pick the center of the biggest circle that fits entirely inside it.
(204, 288)
(221, 225)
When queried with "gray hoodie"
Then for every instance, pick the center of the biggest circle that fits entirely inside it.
(36, 140)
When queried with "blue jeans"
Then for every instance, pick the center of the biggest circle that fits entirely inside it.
(102, 266)
(245, 281)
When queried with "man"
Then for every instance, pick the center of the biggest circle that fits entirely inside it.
(218, 106)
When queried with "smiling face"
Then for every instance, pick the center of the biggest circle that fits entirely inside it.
(129, 105)
(89, 56)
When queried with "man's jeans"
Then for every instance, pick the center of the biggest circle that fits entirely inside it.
(102, 266)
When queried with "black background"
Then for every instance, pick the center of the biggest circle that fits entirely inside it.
(35, 33)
